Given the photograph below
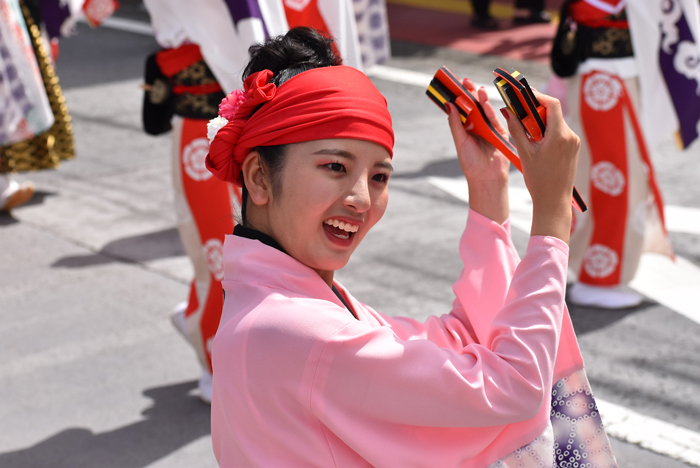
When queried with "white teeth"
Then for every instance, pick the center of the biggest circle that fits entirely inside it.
(347, 227)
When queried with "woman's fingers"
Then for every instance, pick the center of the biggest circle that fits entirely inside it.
(458, 133)
(482, 96)
(553, 107)
(517, 131)
(467, 83)
(490, 112)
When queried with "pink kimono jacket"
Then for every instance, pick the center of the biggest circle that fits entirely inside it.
(299, 381)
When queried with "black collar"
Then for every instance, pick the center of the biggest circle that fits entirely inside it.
(250, 233)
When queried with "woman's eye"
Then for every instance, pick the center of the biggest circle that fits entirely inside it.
(335, 167)
(380, 177)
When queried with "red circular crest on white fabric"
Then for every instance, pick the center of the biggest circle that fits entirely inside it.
(193, 159)
(600, 261)
(601, 91)
(214, 252)
(607, 178)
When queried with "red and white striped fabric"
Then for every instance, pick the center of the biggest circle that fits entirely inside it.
(204, 208)
(615, 173)
(616, 177)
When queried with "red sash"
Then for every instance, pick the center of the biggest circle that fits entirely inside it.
(601, 16)
(604, 106)
(209, 201)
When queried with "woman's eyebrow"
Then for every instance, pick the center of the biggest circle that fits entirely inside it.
(385, 165)
(336, 152)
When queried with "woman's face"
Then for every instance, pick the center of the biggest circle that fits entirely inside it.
(330, 193)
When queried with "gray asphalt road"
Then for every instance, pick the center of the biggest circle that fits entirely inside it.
(91, 373)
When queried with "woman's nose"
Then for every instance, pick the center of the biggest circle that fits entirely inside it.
(359, 196)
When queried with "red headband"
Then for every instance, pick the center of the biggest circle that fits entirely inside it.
(327, 102)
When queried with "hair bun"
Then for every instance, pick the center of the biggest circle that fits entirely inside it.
(288, 55)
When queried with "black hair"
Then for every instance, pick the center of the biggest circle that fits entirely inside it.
(287, 55)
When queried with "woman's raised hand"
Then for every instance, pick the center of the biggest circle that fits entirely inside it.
(485, 168)
(549, 168)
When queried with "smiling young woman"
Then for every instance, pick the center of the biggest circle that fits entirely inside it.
(321, 221)
(304, 374)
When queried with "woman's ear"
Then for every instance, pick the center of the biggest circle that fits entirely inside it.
(254, 179)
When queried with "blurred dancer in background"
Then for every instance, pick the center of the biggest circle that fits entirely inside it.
(526, 12)
(205, 50)
(35, 128)
(610, 64)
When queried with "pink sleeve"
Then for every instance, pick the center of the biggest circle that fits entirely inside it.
(490, 259)
(370, 378)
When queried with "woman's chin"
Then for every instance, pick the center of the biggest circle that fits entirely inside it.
(328, 264)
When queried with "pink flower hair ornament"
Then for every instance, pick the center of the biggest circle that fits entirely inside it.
(227, 112)
(224, 131)
(230, 104)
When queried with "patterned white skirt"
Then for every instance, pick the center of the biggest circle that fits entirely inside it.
(575, 436)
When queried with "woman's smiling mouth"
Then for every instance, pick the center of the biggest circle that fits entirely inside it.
(341, 230)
